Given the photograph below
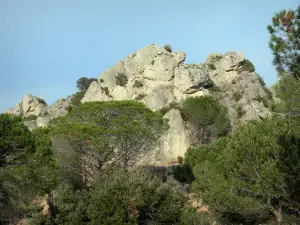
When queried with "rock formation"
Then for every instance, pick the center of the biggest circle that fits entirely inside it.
(36, 111)
(160, 78)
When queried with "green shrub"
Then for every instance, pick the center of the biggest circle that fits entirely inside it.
(212, 66)
(101, 80)
(137, 84)
(168, 48)
(237, 95)
(121, 79)
(240, 111)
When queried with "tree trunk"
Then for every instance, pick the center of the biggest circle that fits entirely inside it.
(51, 209)
(278, 214)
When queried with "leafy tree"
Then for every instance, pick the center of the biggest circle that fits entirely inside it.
(285, 42)
(207, 115)
(83, 83)
(253, 176)
(99, 134)
(27, 166)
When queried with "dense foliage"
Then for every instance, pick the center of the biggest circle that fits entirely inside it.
(252, 175)
(208, 116)
(285, 42)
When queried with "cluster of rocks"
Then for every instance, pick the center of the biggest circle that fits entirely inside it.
(36, 111)
(160, 78)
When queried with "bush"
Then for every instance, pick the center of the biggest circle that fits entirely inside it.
(237, 95)
(240, 111)
(134, 198)
(101, 80)
(168, 48)
(121, 79)
(212, 66)
(137, 84)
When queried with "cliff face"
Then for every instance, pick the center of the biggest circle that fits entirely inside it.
(159, 79)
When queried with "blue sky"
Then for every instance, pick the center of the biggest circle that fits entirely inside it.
(45, 46)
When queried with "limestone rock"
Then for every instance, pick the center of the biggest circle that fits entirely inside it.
(176, 141)
(33, 106)
(30, 106)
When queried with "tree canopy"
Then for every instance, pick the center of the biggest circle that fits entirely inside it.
(285, 42)
(207, 115)
(83, 83)
(252, 174)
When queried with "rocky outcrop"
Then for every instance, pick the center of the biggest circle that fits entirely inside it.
(36, 111)
(30, 106)
(160, 78)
